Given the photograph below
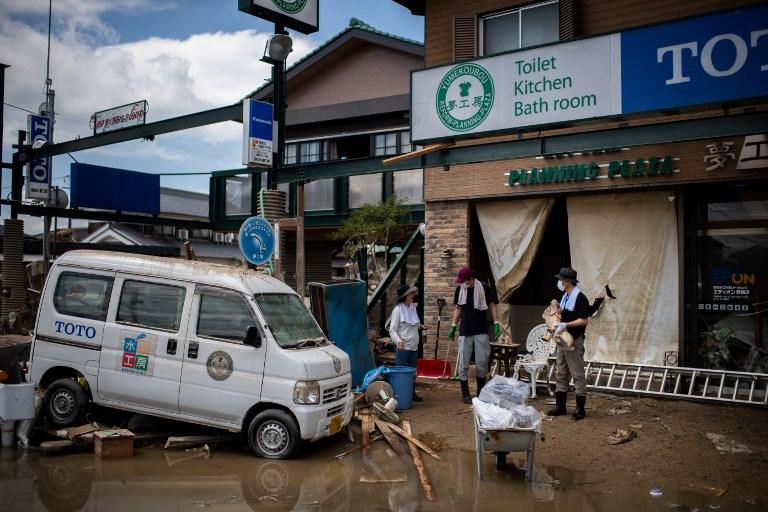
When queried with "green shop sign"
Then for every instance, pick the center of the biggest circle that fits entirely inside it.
(652, 166)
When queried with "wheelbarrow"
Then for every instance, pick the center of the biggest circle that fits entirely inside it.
(503, 441)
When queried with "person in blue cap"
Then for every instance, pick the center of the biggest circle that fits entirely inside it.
(404, 325)
(474, 300)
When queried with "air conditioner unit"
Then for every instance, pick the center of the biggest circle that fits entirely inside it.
(218, 238)
(182, 234)
(229, 238)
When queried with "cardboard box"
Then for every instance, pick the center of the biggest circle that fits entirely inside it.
(114, 444)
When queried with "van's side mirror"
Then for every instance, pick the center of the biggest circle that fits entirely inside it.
(253, 336)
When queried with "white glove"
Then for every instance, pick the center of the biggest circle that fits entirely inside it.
(560, 328)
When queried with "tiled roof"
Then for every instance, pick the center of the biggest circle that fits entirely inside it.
(202, 248)
(354, 23)
(183, 202)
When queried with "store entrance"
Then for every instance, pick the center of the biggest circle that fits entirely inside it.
(538, 288)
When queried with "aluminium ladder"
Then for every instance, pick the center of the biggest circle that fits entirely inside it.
(675, 382)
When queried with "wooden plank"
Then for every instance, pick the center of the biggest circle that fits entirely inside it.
(413, 154)
(389, 436)
(188, 441)
(366, 417)
(413, 440)
(352, 450)
(419, 464)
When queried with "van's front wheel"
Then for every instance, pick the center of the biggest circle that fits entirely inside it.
(65, 402)
(273, 434)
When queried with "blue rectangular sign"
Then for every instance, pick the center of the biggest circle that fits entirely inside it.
(257, 133)
(107, 188)
(39, 171)
(709, 59)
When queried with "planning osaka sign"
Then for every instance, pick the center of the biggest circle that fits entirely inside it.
(705, 60)
(465, 97)
(124, 116)
(300, 15)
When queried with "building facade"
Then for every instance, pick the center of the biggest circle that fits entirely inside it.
(626, 140)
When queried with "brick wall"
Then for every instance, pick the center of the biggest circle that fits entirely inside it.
(447, 227)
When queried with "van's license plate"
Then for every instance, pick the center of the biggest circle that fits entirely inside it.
(335, 424)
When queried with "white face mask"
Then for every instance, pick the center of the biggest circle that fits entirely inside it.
(560, 286)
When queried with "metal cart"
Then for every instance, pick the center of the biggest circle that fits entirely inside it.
(503, 441)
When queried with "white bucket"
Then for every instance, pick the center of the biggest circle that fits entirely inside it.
(6, 433)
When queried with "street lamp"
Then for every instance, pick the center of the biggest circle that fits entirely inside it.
(277, 48)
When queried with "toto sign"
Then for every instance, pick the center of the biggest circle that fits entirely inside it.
(124, 116)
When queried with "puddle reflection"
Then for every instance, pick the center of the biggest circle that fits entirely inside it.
(232, 480)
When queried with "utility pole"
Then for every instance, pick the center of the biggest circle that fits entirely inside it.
(2, 118)
(49, 112)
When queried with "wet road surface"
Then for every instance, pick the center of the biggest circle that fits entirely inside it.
(233, 480)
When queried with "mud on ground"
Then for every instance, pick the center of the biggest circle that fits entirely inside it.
(671, 448)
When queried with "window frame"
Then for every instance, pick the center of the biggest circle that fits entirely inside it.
(201, 290)
(144, 281)
(506, 12)
(100, 277)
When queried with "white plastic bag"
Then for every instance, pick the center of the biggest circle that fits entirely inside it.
(492, 416)
(525, 416)
(505, 392)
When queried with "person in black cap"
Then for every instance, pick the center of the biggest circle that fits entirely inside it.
(474, 300)
(575, 312)
(404, 325)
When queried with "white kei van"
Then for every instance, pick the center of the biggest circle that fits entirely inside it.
(187, 340)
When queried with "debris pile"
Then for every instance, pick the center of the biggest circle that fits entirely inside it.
(502, 404)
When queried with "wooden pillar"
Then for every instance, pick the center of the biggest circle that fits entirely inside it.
(300, 239)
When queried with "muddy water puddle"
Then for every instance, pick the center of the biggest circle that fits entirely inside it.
(231, 479)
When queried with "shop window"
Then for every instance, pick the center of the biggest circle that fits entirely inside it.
(519, 28)
(223, 315)
(152, 305)
(318, 195)
(409, 186)
(731, 280)
(365, 189)
(315, 151)
(83, 295)
(353, 146)
(405, 142)
(238, 195)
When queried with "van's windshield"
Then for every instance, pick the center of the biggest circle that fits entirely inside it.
(290, 321)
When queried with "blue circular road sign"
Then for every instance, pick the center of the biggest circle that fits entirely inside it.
(257, 240)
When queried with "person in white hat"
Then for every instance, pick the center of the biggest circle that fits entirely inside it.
(404, 325)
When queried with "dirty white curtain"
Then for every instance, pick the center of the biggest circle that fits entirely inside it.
(628, 241)
(512, 233)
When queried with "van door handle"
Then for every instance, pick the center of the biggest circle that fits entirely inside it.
(192, 352)
(171, 347)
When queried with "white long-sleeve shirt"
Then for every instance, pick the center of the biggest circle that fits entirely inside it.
(400, 330)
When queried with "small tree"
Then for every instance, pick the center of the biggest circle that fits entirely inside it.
(372, 225)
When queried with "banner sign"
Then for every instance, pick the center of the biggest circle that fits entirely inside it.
(300, 15)
(38, 171)
(133, 191)
(257, 240)
(257, 133)
(710, 59)
(124, 116)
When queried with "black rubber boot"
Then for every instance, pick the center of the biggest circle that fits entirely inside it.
(465, 392)
(559, 408)
(581, 401)
(480, 384)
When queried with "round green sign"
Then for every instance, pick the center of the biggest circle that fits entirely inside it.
(465, 97)
(290, 6)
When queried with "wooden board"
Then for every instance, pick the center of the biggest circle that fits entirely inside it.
(411, 439)
(419, 464)
(389, 436)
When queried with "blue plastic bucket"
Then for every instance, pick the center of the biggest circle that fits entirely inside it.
(401, 378)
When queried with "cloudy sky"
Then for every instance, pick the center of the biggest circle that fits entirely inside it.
(182, 56)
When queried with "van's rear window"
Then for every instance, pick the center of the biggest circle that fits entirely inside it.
(289, 319)
(83, 295)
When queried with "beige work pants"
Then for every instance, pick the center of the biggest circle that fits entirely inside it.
(570, 364)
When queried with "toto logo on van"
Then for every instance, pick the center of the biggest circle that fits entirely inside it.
(219, 365)
(70, 329)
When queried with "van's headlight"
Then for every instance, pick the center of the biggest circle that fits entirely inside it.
(306, 392)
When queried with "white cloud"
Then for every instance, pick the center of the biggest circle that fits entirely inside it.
(176, 77)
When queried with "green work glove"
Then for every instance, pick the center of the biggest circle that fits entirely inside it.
(452, 332)
(496, 329)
